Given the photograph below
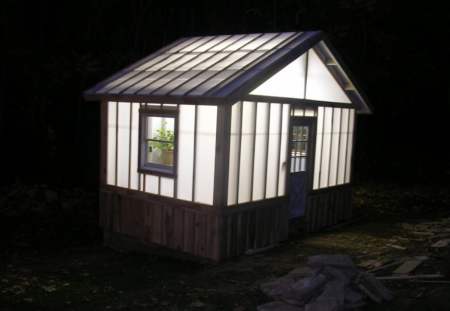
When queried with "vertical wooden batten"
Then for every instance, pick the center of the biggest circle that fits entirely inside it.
(222, 157)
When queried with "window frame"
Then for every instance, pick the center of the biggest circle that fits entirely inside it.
(145, 167)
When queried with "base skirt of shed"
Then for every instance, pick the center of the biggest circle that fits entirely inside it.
(328, 207)
(135, 220)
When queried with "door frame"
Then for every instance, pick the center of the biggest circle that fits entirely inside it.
(310, 121)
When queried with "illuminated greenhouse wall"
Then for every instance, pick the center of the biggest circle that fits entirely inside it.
(195, 167)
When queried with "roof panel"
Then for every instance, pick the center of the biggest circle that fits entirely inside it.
(223, 67)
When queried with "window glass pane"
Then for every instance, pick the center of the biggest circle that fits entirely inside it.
(326, 148)
(160, 140)
(229, 60)
(180, 61)
(349, 145)
(166, 187)
(335, 146)
(343, 146)
(234, 152)
(164, 62)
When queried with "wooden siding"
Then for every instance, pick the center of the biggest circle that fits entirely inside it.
(328, 207)
(191, 228)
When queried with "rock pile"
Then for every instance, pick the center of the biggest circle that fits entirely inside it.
(327, 283)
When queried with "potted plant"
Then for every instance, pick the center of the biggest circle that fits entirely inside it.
(162, 150)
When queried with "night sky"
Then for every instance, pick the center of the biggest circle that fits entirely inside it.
(52, 51)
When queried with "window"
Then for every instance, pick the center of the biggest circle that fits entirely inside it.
(158, 141)
(299, 148)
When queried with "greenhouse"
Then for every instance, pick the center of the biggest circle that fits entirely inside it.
(212, 145)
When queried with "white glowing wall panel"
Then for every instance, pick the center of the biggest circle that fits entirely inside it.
(127, 143)
(320, 83)
(274, 151)
(326, 147)
(123, 144)
(258, 154)
(318, 151)
(343, 147)
(134, 175)
(111, 144)
(283, 151)
(151, 184)
(185, 164)
(259, 165)
(205, 154)
(234, 152)
(350, 146)
(334, 144)
(166, 187)
(288, 82)
(246, 163)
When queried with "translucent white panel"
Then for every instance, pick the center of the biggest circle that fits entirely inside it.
(152, 61)
(167, 187)
(348, 167)
(176, 82)
(288, 82)
(283, 153)
(229, 60)
(273, 151)
(163, 79)
(194, 82)
(246, 164)
(180, 61)
(151, 184)
(132, 89)
(260, 41)
(234, 152)
(186, 121)
(165, 62)
(183, 44)
(206, 46)
(321, 84)
(326, 148)
(343, 146)
(196, 44)
(134, 175)
(226, 43)
(250, 57)
(260, 151)
(241, 42)
(298, 112)
(310, 112)
(274, 42)
(195, 61)
(212, 81)
(130, 82)
(205, 154)
(318, 156)
(111, 144)
(123, 144)
(334, 146)
(211, 61)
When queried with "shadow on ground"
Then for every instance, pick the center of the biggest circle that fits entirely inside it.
(53, 259)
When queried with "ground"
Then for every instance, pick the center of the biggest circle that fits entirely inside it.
(52, 257)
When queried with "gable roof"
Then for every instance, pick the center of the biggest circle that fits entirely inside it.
(214, 69)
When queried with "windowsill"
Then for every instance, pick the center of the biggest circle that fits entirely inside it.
(157, 171)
